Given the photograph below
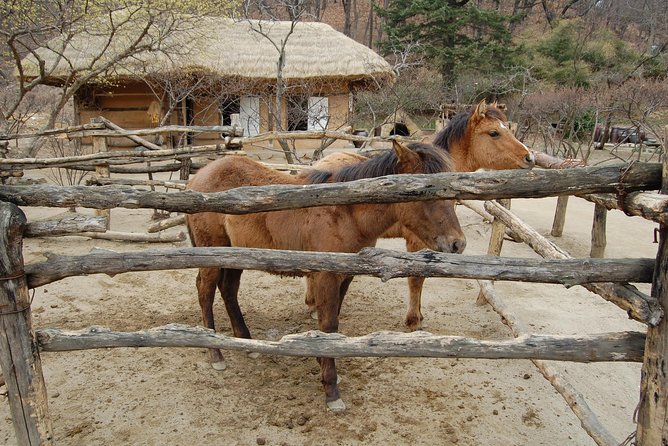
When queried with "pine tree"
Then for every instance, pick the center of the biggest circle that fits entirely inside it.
(453, 35)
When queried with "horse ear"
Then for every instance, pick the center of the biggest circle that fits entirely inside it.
(405, 155)
(480, 109)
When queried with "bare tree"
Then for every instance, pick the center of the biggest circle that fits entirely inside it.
(38, 36)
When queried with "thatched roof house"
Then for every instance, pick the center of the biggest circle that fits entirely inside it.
(225, 68)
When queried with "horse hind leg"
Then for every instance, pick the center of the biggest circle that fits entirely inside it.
(207, 278)
(327, 288)
(229, 288)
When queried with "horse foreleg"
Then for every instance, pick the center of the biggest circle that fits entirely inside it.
(414, 316)
(229, 289)
(207, 278)
(309, 296)
(327, 287)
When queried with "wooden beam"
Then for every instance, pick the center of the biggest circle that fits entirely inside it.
(559, 216)
(19, 354)
(392, 188)
(369, 261)
(627, 346)
(639, 306)
(598, 229)
(650, 205)
(70, 225)
(166, 224)
(495, 242)
(653, 406)
(123, 156)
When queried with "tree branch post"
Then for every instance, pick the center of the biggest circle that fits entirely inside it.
(652, 426)
(102, 170)
(19, 354)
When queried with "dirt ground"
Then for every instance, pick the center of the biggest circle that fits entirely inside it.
(164, 396)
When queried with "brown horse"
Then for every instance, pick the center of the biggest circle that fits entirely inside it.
(344, 228)
(476, 139)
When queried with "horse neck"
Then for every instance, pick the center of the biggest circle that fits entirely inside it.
(462, 157)
(374, 219)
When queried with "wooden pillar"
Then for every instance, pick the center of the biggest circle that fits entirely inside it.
(652, 426)
(495, 242)
(19, 353)
(598, 240)
(184, 172)
(559, 216)
(101, 171)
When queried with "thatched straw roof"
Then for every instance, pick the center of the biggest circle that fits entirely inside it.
(232, 49)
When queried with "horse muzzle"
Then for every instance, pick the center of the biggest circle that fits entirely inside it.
(452, 246)
(529, 161)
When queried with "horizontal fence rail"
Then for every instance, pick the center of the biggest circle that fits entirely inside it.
(392, 188)
(381, 263)
(624, 346)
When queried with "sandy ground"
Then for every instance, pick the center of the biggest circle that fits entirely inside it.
(172, 396)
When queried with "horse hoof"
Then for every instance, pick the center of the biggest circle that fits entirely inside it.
(336, 405)
(219, 365)
(253, 355)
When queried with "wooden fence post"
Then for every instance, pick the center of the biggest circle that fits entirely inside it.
(598, 240)
(652, 426)
(19, 353)
(101, 170)
(559, 216)
(495, 243)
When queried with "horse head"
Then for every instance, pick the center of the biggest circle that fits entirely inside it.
(492, 144)
(435, 222)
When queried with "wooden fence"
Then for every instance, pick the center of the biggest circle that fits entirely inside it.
(20, 344)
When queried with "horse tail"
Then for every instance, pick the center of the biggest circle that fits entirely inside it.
(190, 232)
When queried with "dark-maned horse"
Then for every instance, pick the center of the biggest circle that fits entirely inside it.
(476, 139)
(342, 228)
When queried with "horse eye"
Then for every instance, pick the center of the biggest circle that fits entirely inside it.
(493, 133)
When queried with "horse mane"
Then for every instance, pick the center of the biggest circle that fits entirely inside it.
(457, 127)
(433, 160)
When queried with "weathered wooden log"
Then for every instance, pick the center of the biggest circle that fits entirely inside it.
(370, 261)
(166, 224)
(573, 398)
(652, 426)
(19, 354)
(102, 171)
(559, 216)
(175, 184)
(478, 209)
(649, 205)
(495, 242)
(123, 132)
(626, 346)
(67, 225)
(638, 305)
(123, 156)
(308, 134)
(393, 188)
(598, 229)
(51, 132)
(99, 131)
(135, 236)
(552, 162)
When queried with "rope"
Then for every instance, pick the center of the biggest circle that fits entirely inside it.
(19, 310)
